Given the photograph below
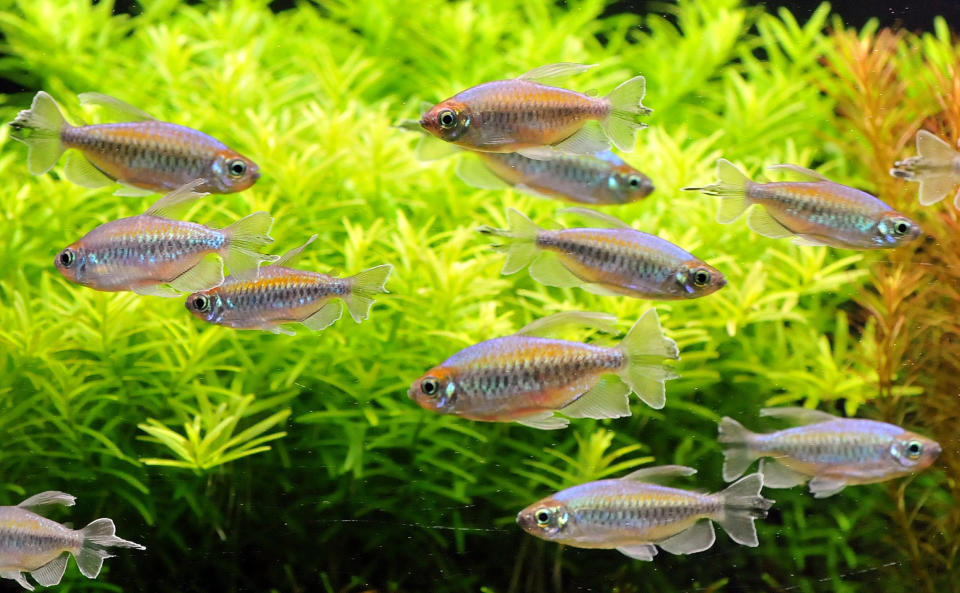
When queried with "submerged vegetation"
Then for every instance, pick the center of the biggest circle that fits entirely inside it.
(253, 461)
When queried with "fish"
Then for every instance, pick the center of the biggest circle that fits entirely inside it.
(636, 515)
(282, 295)
(528, 116)
(147, 252)
(620, 262)
(816, 212)
(144, 155)
(936, 168)
(829, 452)
(526, 377)
(31, 543)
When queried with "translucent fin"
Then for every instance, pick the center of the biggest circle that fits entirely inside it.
(157, 290)
(540, 153)
(590, 139)
(604, 322)
(17, 576)
(431, 148)
(291, 256)
(365, 286)
(603, 217)
(777, 475)
(737, 456)
(246, 236)
(279, 329)
(82, 172)
(808, 241)
(325, 316)
(626, 105)
(731, 187)
(98, 535)
(165, 206)
(52, 572)
(49, 497)
(931, 147)
(660, 473)
(544, 421)
(742, 504)
(607, 399)
(39, 128)
(132, 191)
(600, 289)
(127, 111)
(548, 270)
(934, 188)
(554, 73)
(520, 245)
(762, 223)
(475, 174)
(639, 551)
(698, 538)
(205, 275)
(645, 347)
(822, 487)
(803, 171)
(799, 416)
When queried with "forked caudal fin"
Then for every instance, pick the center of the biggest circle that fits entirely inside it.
(364, 286)
(645, 348)
(626, 105)
(737, 455)
(97, 537)
(245, 238)
(520, 245)
(39, 128)
(742, 504)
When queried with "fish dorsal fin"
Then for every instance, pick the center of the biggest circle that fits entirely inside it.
(430, 148)
(554, 73)
(291, 256)
(49, 497)
(164, 207)
(127, 111)
(659, 473)
(797, 415)
(803, 171)
(603, 217)
(604, 322)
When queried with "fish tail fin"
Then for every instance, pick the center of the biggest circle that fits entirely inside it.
(645, 348)
(932, 168)
(626, 105)
(97, 537)
(364, 286)
(737, 456)
(521, 240)
(731, 188)
(39, 128)
(245, 238)
(742, 503)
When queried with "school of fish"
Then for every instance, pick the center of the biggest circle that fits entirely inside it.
(528, 134)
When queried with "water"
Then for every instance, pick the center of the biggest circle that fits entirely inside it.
(249, 461)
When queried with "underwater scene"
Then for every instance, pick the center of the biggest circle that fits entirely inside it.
(487, 296)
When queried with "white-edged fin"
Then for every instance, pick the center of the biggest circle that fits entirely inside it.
(698, 538)
(762, 223)
(589, 139)
(547, 269)
(932, 147)
(626, 105)
(808, 241)
(520, 245)
(602, 289)
(645, 348)
(52, 572)
(822, 487)
(540, 153)
(777, 475)
(205, 275)
(17, 576)
(607, 399)
(544, 421)
(742, 503)
(431, 148)
(48, 497)
(604, 322)
(79, 170)
(126, 110)
(245, 238)
(737, 455)
(474, 173)
(157, 290)
(363, 287)
(291, 256)
(639, 551)
(97, 536)
(132, 191)
(279, 329)
(802, 171)
(325, 316)
(799, 416)
(179, 197)
(554, 73)
(934, 188)
(659, 473)
(603, 217)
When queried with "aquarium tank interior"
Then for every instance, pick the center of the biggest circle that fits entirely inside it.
(372, 414)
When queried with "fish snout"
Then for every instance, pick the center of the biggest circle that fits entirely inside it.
(646, 186)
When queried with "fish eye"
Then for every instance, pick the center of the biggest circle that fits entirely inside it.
(701, 277)
(430, 386)
(543, 517)
(67, 257)
(201, 303)
(901, 226)
(447, 119)
(236, 168)
(914, 449)
(634, 181)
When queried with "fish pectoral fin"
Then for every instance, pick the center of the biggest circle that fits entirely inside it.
(609, 398)
(291, 256)
(431, 148)
(554, 73)
(157, 290)
(698, 538)
(52, 572)
(48, 497)
(205, 275)
(602, 217)
(16, 575)
(179, 197)
(763, 223)
(132, 191)
(325, 316)
(639, 551)
(84, 173)
(544, 421)
(547, 269)
(540, 153)
(546, 326)
(601, 290)
(822, 486)
(474, 173)
(802, 171)
(777, 475)
(660, 473)
(809, 241)
(127, 111)
(280, 330)
(797, 415)
(590, 139)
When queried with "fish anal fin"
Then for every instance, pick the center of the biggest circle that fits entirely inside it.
(540, 153)
(822, 486)
(778, 475)
(17, 576)
(797, 415)
(52, 572)
(157, 290)
(808, 241)
(475, 174)
(207, 274)
(602, 290)
(763, 223)
(639, 551)
(84, 173)
(133, 191)
(609, 398)
(544, 421)
(547, 269)
(589, 139)
(698, 538)
(551, 74)
(325, 316)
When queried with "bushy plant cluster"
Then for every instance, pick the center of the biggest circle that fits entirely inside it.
(248, 461)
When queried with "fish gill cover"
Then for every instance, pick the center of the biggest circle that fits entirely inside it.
(248, 461)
